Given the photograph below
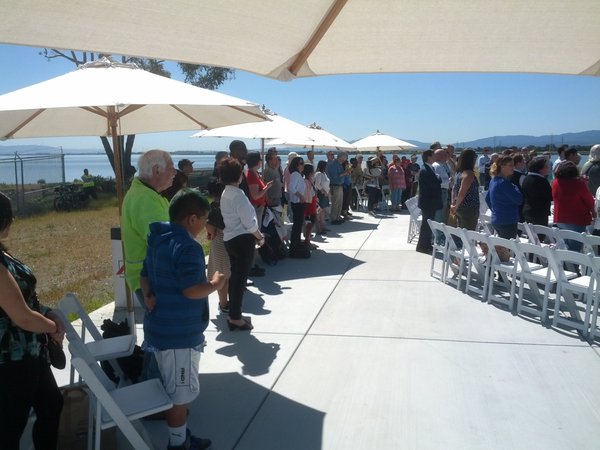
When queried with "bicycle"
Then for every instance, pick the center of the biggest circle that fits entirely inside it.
(69, 197)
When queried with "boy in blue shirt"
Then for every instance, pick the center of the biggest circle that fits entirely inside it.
(175, 289)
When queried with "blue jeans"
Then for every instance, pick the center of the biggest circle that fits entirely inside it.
(396, 197)
(572, 245)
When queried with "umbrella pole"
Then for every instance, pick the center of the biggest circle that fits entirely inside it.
(113, 123)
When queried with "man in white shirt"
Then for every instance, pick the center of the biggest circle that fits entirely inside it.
(442, 170)
(482, 161)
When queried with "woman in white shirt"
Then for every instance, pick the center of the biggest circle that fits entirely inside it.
(296, 190)
(240, 234)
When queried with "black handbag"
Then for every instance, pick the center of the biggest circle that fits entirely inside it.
(56, 354)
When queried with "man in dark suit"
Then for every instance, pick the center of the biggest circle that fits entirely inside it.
(430, 200)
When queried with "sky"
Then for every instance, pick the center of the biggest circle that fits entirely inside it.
(445, 107)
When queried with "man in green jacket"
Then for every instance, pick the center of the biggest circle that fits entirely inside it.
(142, 206)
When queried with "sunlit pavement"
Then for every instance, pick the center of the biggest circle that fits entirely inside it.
(358, 348)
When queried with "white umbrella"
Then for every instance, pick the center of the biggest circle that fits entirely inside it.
(104, 98)
(276, 127)
(317, 137)
(380, 141)
(318, 37)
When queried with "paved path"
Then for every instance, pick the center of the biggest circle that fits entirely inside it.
(358, 348)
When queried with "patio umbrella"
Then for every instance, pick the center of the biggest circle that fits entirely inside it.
(276, 127)
(104, 98)
(317, 137)
(323, 37)
(380, 141)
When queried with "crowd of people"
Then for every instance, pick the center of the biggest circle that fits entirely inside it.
(164, 263)
(520, 186)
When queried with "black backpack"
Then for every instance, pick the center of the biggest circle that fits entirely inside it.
(273, 249)
(130, 365)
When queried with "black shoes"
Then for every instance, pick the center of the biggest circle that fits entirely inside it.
(247, 326)
(427, 251)
(301, 251)
(337, 222)
(257, 271)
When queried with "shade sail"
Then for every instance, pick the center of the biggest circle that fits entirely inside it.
(381, 141)
(288, 38)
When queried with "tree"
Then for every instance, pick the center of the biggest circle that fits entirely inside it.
(206, 77)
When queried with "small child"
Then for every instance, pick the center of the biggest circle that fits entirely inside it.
(175, 289)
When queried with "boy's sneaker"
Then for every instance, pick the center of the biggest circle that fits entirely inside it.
(192, 443)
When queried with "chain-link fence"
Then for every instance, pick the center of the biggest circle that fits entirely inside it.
(29, 180)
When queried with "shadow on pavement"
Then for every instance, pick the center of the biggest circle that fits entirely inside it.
(237, 413)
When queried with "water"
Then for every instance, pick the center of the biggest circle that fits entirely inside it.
(50, 169)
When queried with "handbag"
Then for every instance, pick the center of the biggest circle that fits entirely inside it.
(56, 354)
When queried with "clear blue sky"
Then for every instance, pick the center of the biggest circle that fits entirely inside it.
(448, 107)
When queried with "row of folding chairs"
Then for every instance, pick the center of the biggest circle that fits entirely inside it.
(109, 405)
(557, 285)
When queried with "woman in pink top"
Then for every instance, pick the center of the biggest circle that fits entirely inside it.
(397, 182)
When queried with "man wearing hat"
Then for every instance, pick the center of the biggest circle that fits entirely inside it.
(181, 178)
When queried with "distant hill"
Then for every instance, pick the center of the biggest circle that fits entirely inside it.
(590, 137)
(44, 149)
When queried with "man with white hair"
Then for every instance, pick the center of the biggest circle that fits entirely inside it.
(143, 204)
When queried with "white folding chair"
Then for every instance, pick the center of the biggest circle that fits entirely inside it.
(535, 272)
(456, 256)
(102, 349)
(414, 225)
(485, 224)
(571, 290)
(508, 271)
(596, 301)
(362, 198)
(386, 196)
(111, 406)
(562, 236)
(438, 246)
(483, 207)
(549, 233)
(591, 245)
(478, 265)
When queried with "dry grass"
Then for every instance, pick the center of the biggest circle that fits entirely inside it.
(69, 252)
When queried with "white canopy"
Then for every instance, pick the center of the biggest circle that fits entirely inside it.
(276, 127)
(288, 38)
(317, 137)
(78, 103)
(380, 141)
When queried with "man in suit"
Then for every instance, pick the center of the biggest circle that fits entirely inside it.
(430, 200)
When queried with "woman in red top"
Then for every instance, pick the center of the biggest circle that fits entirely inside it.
(573, 202)
(257, 187)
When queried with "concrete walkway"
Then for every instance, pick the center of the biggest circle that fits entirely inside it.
(358, 348)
